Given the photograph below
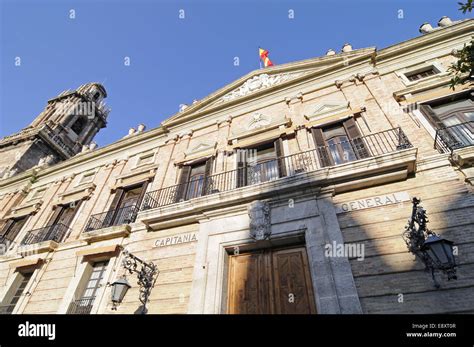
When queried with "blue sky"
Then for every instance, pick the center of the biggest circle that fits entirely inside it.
(173, 60)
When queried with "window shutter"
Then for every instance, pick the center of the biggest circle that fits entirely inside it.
(142, 195)
(182, 183)
(68, 215)
(324, 158)
(207, 185)
(280, 160)
(15, 228)
(355, 138)
(112, 212)
(241, 167)
(58, 209)
(6, 225)
(117, 198)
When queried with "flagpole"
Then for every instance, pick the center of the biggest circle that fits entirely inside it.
(259, 59)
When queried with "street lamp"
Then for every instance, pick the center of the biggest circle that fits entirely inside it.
(119, 289)
(146, 273)
(441, 253)
(435, 252)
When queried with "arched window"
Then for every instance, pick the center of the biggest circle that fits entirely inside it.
(79, 125)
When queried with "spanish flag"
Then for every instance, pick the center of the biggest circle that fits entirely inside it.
(264, 56)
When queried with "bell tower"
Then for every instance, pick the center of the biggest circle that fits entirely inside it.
(69, 121)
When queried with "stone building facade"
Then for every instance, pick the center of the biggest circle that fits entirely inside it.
(239, 198)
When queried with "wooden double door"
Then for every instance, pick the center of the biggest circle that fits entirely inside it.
(270, 281)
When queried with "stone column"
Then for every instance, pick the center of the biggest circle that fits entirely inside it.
(198, 288)
(336, 289)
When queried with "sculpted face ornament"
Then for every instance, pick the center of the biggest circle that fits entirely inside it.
(260, 223)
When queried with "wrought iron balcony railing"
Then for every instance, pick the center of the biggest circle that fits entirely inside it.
(119, 216)
(324, 156)
(56, 232)
(454, 137)
(82, 306)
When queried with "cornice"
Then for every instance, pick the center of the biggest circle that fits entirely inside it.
(35, 173)
(398, 49)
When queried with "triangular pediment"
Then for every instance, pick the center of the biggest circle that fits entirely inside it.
(259, 81)
(201, 147)
(327, 108)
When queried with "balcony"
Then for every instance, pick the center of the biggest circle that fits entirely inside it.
(55, 232)
(337, 154)
(454, 137)
(82, 306)
(115, 221)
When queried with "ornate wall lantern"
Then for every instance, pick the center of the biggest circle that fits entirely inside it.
(146, 273)
(119, 288)
(435, 252)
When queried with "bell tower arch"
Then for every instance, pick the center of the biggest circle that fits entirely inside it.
(69, 121)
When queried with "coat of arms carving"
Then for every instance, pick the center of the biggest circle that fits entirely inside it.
(260, 223)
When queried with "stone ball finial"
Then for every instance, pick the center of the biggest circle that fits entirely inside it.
(444, 21)
(346, 48)
(425, 28)
(141, 127)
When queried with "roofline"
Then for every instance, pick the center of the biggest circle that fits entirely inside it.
(454, 29)
(193, 109)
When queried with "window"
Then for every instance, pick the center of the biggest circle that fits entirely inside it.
(261, 163)
(144, 159)
(455, 116)
(16, 293)
(79, 125)
(89, 293)
(123, 209)
(194, 180)
(87, 177)
(420, 74)
(64, 214)
(57, 229)
(12, 228)
(339, 143)
(126, 203)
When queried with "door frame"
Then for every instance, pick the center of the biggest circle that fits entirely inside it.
(228, 227)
